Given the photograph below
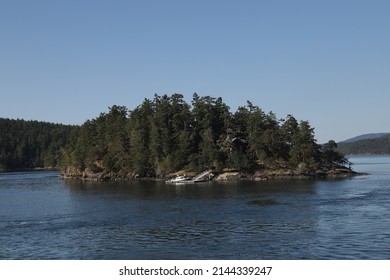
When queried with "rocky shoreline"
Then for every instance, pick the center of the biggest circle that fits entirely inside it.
(261, 175)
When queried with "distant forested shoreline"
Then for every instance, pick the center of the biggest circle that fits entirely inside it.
(165, 135)
(28, 145)
(373, 146)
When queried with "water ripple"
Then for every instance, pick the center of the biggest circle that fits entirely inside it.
(41, 217)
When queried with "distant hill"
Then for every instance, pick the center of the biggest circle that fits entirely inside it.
(365, 137)
(374, 143)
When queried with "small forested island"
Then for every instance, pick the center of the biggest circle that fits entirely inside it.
(166, 136)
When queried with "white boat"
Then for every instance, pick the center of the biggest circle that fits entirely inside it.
(180, 179)
(184, 179)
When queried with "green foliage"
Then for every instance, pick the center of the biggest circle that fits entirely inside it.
(331, 156)
(32, 144)
(304, 149)
(167, 134)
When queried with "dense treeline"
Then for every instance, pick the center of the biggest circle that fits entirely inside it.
(379, 146)
(31, 144)
(167, 134)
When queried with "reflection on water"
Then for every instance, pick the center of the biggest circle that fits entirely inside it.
(161, 190)
(44, 217)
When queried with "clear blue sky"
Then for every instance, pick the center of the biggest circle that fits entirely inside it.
(323, 61)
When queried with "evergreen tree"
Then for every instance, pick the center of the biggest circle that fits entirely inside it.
(211, 120)
(304, 149)
(331, 157)
(139, 139)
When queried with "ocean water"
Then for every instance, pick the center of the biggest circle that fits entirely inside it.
(45, 217)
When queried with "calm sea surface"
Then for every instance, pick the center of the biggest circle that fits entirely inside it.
(44, 217)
